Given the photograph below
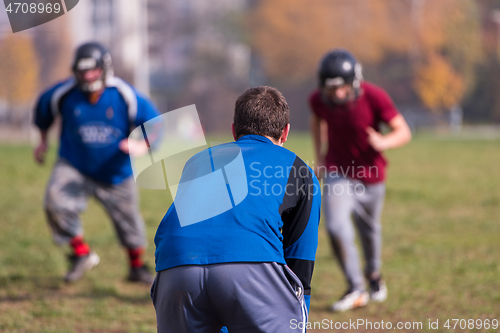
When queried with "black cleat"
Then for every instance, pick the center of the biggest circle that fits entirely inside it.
(378, 290)
(140, 274)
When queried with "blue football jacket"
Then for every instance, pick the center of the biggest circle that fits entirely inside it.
(247, 201)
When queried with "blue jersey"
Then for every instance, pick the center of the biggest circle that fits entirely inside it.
(274, 218)
(91, 133)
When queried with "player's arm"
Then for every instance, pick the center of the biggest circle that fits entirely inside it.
(41, 148)
(43, 119)
(300, 213)
(399, 135)
(146, 111)
(319, 133)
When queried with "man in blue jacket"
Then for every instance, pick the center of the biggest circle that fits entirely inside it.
(97, 112)
(237, 246)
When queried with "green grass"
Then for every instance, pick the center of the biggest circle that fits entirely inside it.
(441, 255)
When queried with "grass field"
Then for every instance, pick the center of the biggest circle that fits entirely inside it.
(441, 247)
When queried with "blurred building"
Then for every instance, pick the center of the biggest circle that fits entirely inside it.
(169, 49)
(122, 27)
(4, 23)
(193, 46)
(180, 52)
(4, 28)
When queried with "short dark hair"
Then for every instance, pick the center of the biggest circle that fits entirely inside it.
(262, 111)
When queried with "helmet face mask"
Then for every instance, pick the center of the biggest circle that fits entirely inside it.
(338, 71)
(88, 58)
(338, 94)
(90, 80)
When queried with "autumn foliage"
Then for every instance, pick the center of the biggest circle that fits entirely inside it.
(439, 39)
(18, 69)
(438, 84)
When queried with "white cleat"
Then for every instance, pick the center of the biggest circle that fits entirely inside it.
(351, 300)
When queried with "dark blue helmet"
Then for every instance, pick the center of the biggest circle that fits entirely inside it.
(90, 56)
(339, 67)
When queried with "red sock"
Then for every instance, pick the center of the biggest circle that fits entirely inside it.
(80, 248)
(136, 257)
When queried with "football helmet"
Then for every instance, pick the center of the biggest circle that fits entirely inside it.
(91, 56)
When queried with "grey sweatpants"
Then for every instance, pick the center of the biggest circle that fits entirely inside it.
(66, 198)
(347, 201)
(244, 297)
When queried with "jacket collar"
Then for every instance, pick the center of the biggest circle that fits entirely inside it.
(255, 138)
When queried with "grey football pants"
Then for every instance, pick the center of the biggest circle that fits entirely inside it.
(347, 201)
(66, 198)
(244, 297)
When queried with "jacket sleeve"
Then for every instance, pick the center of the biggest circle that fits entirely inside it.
(146, 110)
(148, 115)
(44, 116)
(46, 108)
(300, 213)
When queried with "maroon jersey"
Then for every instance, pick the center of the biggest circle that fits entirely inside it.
(349, 153)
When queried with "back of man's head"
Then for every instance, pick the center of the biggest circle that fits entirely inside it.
(261, 111)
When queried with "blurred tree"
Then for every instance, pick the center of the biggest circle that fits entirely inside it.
(18, 69)
(483, 104)
(439, 39)
(54, 51)
(292, 35)
(438, 84)
(448, 34)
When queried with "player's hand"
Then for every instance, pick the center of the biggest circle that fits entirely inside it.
(376, 140)
(133, 147)
(39, 152)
